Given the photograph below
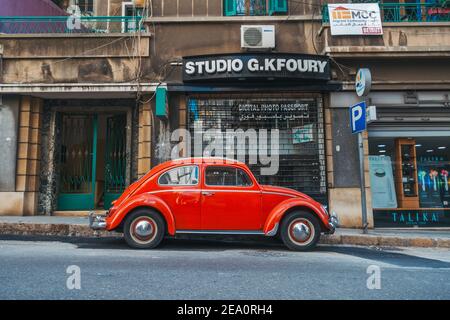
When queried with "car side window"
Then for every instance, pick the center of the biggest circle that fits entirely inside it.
(181, 176)
(226, 176)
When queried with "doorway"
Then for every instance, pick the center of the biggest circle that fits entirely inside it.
(92, 162)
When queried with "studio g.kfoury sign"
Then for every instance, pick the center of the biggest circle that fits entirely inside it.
(355, 19)
(256, 66)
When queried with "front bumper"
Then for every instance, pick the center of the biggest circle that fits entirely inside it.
(333, 223)
(96, 221)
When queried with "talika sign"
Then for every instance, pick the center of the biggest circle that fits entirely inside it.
(256, 66)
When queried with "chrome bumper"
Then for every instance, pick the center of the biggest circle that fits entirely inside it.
(97, 222)
(333, 223)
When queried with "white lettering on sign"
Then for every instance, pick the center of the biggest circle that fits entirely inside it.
(254, 65)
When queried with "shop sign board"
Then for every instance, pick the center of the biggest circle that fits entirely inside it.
(273, 111)
(256, 66)
(404, 218)
(355, 19)
(363, 82)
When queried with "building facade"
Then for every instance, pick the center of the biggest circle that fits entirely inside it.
(86, 113)
(73, 115)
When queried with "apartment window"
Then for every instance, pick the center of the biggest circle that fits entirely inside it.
(254, 7)
(86, 6)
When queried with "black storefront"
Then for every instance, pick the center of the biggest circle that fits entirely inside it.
(264, 91)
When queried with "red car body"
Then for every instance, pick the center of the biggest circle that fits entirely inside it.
(213, 209)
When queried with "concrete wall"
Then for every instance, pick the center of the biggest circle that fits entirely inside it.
(174, 40)
(22, 200)
(344, 194)
(9, 123)
(404, 38)
(73, 59)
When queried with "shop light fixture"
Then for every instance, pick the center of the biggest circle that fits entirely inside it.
(381, 145)
(430, 150)
(442, 148)
(381, 151)
(418, 145)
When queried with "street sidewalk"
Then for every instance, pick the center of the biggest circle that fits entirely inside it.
(79, 227)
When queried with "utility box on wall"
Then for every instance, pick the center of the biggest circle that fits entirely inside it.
(162, 110)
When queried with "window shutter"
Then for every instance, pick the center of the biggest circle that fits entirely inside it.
(277, 6)
(229, 7)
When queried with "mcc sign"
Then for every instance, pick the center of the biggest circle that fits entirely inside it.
(355, 19)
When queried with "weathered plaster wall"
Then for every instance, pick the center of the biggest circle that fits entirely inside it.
(9, 123)
(174, 40)
(73, 58)
(48, 182)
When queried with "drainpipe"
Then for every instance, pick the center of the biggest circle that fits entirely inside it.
(1, 62)
(107, 13)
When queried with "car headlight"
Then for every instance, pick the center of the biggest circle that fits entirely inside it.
(325, 208)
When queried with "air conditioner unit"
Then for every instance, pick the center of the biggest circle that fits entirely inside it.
(257, 37)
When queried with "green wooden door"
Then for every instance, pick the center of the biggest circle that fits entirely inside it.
(115, 158)
(77, 162)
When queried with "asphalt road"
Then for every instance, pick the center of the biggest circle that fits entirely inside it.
(36, 268)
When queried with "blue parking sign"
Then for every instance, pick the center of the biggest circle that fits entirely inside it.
(358, 117)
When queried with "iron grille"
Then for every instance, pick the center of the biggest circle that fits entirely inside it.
(301, 135)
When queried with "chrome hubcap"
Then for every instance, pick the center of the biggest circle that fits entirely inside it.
(300, 231)
(143, 228)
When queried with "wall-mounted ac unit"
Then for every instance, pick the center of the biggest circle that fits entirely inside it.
(257, 37)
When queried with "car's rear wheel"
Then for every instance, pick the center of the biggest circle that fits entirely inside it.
(300, 230)
(144, 229)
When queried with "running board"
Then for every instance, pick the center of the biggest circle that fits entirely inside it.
(227, 232)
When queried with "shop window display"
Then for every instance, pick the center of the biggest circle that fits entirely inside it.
(410, 181)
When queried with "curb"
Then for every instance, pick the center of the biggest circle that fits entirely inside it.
(77, 230)
(385, 241)
(59, 230)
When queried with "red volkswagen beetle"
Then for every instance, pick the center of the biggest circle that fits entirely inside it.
(213, 196)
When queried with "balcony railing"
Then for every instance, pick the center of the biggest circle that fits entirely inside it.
(70, 24)
(407, 12)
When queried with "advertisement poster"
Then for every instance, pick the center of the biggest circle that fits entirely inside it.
(355, 19)
(434, 188)
(303, 134)
(382, 182)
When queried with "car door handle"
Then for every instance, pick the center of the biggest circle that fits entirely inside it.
(207, 193)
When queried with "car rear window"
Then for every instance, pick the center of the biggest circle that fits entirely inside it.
(180, 176)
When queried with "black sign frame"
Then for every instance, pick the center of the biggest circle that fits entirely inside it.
(256, 67)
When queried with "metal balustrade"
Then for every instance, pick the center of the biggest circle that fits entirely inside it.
(70, 24)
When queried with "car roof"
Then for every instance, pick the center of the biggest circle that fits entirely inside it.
(193, 160)
(204, 160)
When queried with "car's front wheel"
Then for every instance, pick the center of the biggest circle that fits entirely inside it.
(300, 230)
(144, 229)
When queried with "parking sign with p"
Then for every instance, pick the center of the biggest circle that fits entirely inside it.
(358, 117)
